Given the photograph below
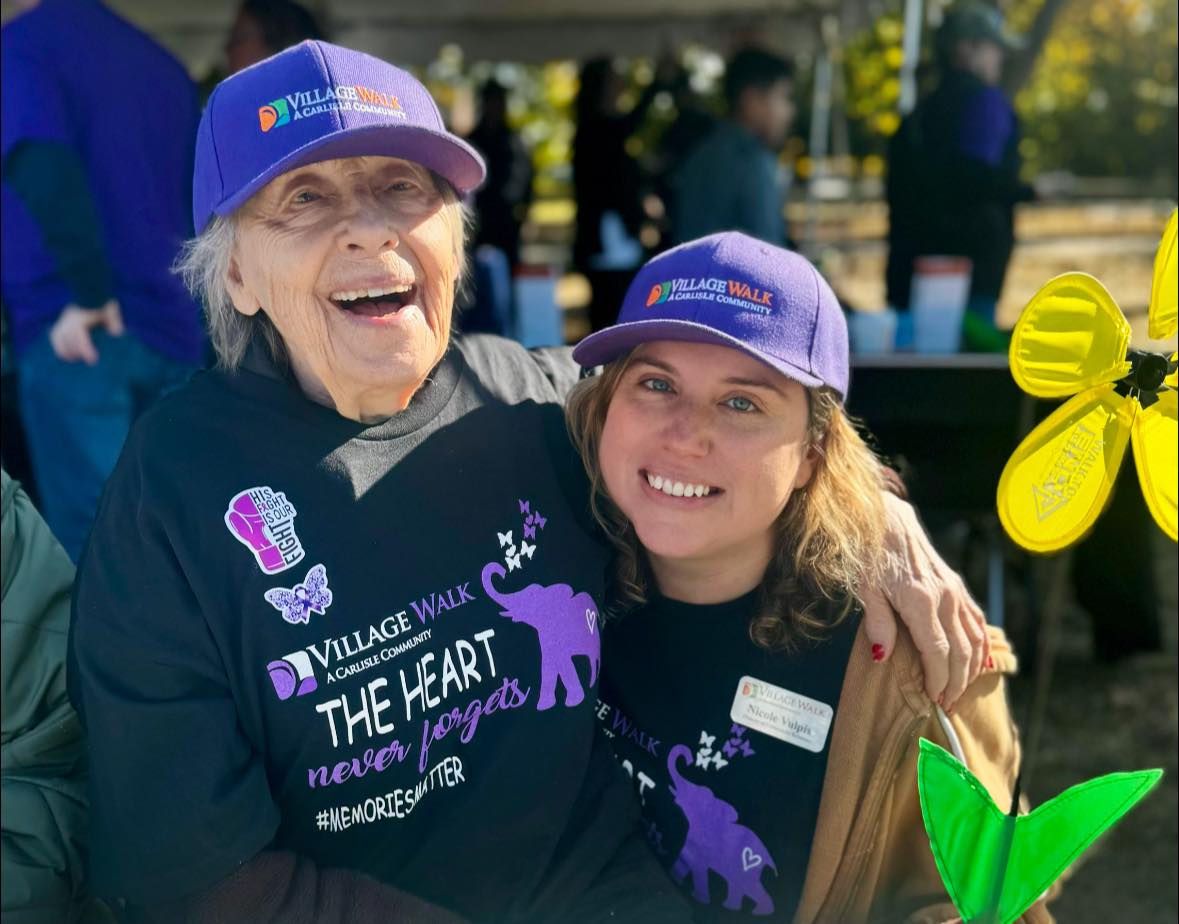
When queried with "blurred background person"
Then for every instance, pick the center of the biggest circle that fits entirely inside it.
(953, 166)
(608, 187)
(693, 122)
(96, 201)
(265, 27)
(501, 206)
(501, 203)
(733, 180)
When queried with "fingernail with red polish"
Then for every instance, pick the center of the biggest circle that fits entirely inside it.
(990, 663)
(877, 652)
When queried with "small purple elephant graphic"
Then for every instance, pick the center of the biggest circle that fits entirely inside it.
(566, 624)
(715, 841)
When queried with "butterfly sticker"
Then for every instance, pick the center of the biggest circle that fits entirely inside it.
(1072, 339)
(512, 561)
(524, 505)
(529, 531)
(526, 549)
(298, 603)
(504, 538)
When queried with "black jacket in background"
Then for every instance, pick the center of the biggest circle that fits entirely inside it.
(944, 201)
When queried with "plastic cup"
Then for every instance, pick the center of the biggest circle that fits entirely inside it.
(538, 319)
(873, 331)
(941, 288)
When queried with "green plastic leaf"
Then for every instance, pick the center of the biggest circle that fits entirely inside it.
(994, 866)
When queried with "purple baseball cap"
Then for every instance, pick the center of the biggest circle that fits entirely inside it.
(314, 102)
(736, 291)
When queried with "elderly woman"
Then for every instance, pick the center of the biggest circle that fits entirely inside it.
(336, 640)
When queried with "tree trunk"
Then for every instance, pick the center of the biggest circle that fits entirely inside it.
(1021, 63)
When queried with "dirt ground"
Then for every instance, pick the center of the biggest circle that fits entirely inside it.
(1108, 717)
(1103, 718)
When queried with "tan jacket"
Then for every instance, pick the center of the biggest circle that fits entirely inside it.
(871, 860)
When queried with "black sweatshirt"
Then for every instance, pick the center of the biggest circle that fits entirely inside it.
(373, 647)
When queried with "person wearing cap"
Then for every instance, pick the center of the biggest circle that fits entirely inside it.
(954, 164)
(313, 639)
(774, 761)
(337, 649)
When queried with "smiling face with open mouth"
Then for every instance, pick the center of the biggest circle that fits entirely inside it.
(702, 447)
(354, 261)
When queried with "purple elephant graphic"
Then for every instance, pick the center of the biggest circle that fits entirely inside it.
(566, 625)
(716, 842)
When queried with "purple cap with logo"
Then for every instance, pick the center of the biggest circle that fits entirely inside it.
(733, 290)
(314, 102)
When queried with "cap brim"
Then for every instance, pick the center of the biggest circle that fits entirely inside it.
(609, 344)
(447, 155)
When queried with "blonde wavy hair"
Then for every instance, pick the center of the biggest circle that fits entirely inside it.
(830, 534)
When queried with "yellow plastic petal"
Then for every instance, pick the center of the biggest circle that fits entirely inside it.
(1071, 336)
(1164, 287)
(1057, 481)
(1156, 454)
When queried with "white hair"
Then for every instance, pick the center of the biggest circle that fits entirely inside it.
(204, 261)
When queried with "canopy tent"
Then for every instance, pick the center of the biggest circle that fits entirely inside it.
(529, 31)
(413, 32)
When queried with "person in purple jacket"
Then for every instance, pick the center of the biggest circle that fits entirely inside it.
(953, 166)
(95, 207)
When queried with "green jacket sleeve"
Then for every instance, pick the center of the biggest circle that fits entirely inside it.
(42, 820)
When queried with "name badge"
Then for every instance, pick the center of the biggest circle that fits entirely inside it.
(789, 717)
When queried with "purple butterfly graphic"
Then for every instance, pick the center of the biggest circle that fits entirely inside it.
(730, 750)
(524, 505)
(529, 532)
(538, 520)
(297, 604)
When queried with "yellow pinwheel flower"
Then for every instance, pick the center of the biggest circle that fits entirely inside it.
(1072, 339)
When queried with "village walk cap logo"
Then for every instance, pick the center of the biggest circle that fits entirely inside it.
(313, 102)
(273, 113)
(305, 103)
(733, 290)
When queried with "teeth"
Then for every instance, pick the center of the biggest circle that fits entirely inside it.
(677, 488)
(349, 295)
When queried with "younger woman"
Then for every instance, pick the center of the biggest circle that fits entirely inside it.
(775, 762)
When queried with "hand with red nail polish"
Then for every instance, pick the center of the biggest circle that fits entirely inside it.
(877, 652)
